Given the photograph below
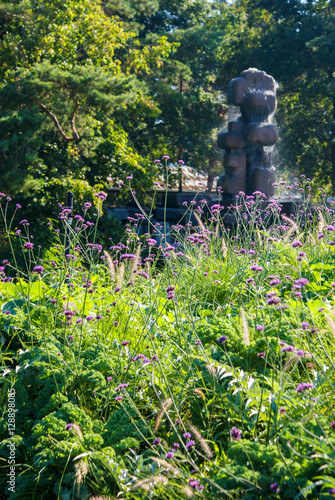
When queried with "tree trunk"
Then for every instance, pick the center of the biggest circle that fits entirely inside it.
(180, 172)
(211, 176)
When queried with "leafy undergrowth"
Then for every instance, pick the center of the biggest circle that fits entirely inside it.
(203, 369)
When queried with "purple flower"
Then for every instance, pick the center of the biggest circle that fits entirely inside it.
(304, 386)
(301, 282)
(68, 313)
(157, 441)
(28, 245)
(332, 424)
(101, 195)
(128, 256)
(119, 398)
(260, 328)
(273, 300)
(261, 354)
(275, 488)
(151, 242)
(109, 379)
(190, 444)
(296, 243)
(121, 386)
(89, 318)
(38, 269)
(139, 356)
(194, 483)
(169, 454)
(166, 157)
(256, 267)
(176, 445)
(274, 282)
(259, 193)
(288, 348)
(235, 433)
(305, 325)
(68, 426)
(187, 435)
(125, 342)
(222, 339)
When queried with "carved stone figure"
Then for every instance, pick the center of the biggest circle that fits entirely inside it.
(247, 165)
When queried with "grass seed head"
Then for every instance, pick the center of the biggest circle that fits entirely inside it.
(208, 452)
(110, 265)
(165, 406)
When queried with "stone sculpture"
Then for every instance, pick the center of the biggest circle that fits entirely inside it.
(247, 164)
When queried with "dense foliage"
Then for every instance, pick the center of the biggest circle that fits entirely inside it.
(100, 89)
(198, 368)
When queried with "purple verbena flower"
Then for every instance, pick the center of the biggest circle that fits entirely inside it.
(38, 269)
(190, 444)
(275, 488)
(235, 433)
(101, 195)
(304, 386)
(288, 348)
(301, 281)
(28, 245)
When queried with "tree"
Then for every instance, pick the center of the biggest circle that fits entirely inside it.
(185, 87)
(65, 94)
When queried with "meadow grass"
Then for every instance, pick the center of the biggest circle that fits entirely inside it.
(203, 368)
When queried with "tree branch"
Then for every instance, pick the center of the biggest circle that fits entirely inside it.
(75, 135)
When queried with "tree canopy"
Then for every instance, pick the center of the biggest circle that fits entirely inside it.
(100, 88)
